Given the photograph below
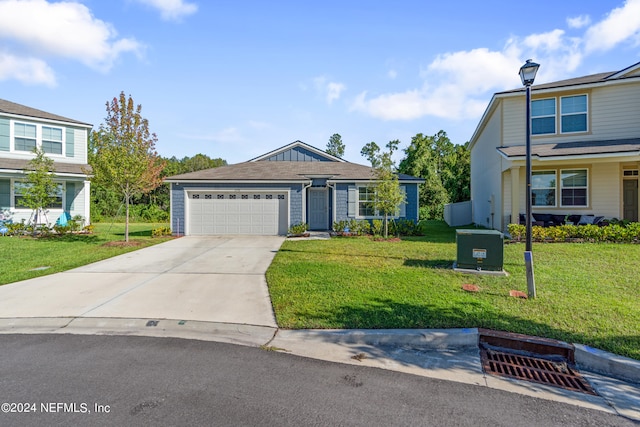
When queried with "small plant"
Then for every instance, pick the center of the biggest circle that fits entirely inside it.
(298, 229)
(377, 227)
(88, 228)
(340, 226)
(161, 232)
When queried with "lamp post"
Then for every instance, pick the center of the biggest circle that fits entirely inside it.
(528, 75)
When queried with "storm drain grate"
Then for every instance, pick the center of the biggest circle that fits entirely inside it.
(543, 371)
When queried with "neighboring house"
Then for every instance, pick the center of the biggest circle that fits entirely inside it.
(585, 150)
(266, 195)
(63, 140)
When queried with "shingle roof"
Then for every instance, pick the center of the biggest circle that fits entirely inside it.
(22, 110)
(285, 171)
(618, 146)
(593, 78)
(20, 164)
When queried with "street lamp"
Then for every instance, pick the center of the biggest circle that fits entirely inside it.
(528, 75)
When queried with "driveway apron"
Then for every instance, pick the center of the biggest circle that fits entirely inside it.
(212, 279)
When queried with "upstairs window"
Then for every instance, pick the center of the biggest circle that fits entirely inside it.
(543, 116)
(25, 137)
(573, 110)
(52, 140)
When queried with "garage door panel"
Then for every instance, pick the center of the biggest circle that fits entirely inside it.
(237, 213)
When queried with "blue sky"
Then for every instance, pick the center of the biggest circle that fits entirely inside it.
(235, 79)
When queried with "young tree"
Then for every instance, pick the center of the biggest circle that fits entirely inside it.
(335, 147)
(40, 189)
(124, 158)
(388, 194)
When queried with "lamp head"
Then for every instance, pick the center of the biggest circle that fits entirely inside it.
(528, 72)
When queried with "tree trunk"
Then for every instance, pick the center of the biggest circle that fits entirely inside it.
(386, 228)
(126, 221)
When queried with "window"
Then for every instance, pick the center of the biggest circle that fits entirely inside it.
(51, 140)
(18, 195)
(366, 198)
(573, 110)
(25, 137)
(543, 188)
(574, 187)
(543, 116)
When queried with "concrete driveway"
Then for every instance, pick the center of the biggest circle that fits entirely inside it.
(211, 279)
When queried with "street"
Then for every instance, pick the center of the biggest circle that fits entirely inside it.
(118, 380)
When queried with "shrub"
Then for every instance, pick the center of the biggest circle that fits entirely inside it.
(298, 228)
(161, 231)
(339, 226)
(377, 227)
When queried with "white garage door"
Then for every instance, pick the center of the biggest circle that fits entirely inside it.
(256, 213)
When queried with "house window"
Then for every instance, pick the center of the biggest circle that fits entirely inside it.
(366, 198)
(543, 116)
(573, 187)
(573, 110)
(543, 188)
(51, 140)
(19, 200)
(24, 137)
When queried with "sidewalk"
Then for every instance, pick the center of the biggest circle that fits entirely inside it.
(451, 355)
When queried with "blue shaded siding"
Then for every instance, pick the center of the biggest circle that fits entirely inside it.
(70, 196)
(5, 142)
(178, 199)
(297, 154)
(342, 202)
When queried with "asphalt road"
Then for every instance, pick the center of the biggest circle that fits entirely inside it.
(116, 380)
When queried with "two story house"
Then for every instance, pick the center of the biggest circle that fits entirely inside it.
(63, 140)
(585, 150)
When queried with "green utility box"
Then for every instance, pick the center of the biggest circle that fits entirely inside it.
(480, 250)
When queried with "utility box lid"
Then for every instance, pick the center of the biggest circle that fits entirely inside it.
(480, 250)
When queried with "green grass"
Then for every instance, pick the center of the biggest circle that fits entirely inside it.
(586, 293)
(21, 255)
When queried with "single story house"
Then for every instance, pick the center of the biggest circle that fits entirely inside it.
(266, 195)
(585, 151)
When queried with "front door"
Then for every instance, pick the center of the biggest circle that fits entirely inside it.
(630, 199)
(318, 209)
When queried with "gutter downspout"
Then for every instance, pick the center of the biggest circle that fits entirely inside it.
(304, 200)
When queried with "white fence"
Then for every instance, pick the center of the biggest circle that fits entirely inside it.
(456, 214)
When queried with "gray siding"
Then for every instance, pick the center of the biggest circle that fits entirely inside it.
(5, 142)
(178, 199)
(344, 201)
(70, 196)
(5, 194)
(297, 154)
(70, 143)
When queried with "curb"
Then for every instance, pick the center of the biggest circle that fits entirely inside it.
(609, 364)
(430, 338)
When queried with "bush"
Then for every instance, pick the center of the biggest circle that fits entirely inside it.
(161, 232)
(616, 232)
(377, 227)
(298, 228)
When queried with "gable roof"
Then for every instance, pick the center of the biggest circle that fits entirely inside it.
(271, 168)
(13, 108)
(299, 147)
(619, 147)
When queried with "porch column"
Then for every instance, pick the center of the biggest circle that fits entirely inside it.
(87, 202)
(515, 195)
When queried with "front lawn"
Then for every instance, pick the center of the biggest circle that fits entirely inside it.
(27, 257)
(588, 293)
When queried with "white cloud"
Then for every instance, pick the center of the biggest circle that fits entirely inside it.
(621, 24)
(64, 29)
(172, 10)
(392, 74)
(329, 90)
(579, 21)
(26, 70)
